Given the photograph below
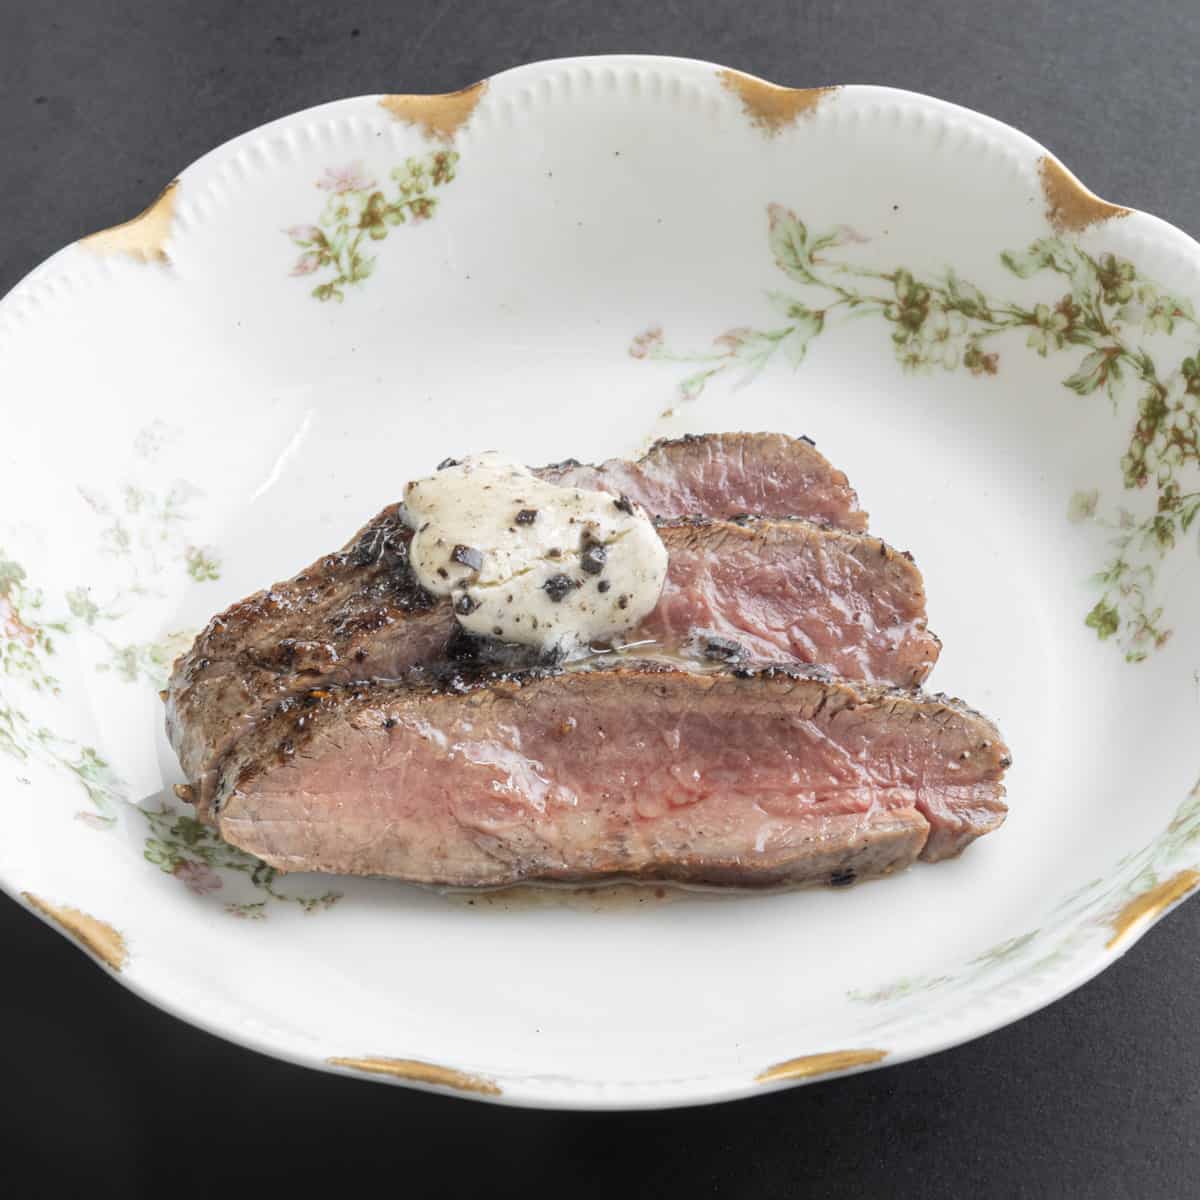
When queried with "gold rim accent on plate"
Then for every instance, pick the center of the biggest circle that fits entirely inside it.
(1152, 904)
(769, 106)
(95, 935)
(144, 237)
(1071, 207)
(421, 1072)
(441, 115)
(809, 1066)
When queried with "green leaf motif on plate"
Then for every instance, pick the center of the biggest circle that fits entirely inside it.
(195, 854)
(26, 645)
(1073, 925)
(360, 213)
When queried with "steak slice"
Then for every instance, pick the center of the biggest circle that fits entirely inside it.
(724, 475)
(776, 591)
(637, 771)
(765, 591)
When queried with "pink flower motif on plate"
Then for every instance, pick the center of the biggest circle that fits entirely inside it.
(198, 877)
(303, 235)
(95, 820)
(307, 263)
(350, 178)
(646, 343)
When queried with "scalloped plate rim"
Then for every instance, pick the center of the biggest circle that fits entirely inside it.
(224, 149)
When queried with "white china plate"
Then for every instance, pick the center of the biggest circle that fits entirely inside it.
(572, 259)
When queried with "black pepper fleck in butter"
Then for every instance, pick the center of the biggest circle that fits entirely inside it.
(593, 558)
(468, 556)
(557, 587)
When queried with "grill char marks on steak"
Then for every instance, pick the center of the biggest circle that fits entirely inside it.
(637, 771)
(764, 591)
(316, 627)
(724, 474)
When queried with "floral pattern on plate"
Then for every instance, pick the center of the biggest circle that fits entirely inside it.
(143, 534)
(1097, 316)
(359, 208)
(195, 854)
(1074, 921)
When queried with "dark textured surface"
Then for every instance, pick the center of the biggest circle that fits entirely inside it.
(1099, 1096)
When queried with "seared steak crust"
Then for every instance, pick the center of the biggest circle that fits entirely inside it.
(724, 474)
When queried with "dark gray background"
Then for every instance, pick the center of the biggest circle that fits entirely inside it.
(102, 103)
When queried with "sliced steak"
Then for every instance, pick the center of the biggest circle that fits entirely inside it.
(723, 475)
(758, 591)
(776, 591)
(639, 771)
(317, 626)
